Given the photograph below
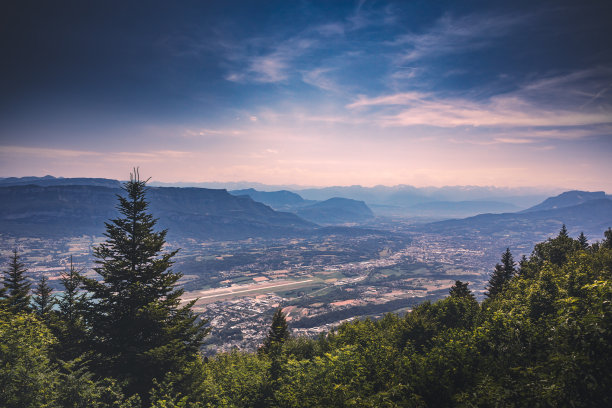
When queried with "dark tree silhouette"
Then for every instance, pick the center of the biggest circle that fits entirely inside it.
(43, 300)
(278, 333)
(461, 290)
(501, 275)
(71, 328)
(583, 241)
(17, 296)
(139, 328)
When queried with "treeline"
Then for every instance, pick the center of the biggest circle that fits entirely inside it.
(542, 337)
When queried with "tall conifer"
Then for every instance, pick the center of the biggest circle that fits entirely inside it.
(501, 275)
(139, 327)
(278, 332)
(17, 287)
(461, 290)
(43, 300)
(583, 241)
(71, 328)
(607, 242)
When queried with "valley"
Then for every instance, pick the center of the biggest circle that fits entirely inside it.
(320, 281)
(241, 259)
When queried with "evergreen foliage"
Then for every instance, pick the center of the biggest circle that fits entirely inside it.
(607, 242)
(461, 290)
(17, 287)
(278, 332)
(555, 250)
(70, 327)
(583, 241)
(501, 275)
(139, 330)
(43, 300)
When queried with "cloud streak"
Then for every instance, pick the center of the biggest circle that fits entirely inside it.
(454, 35)
(552, 102)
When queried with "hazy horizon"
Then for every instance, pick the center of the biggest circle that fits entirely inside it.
(243, 184)
(311, 93)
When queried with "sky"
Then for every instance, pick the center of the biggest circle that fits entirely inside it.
(313, 93)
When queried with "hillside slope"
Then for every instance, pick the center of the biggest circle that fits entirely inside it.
(336, 211)
(591, 217)
(568, 199)
(188, 212)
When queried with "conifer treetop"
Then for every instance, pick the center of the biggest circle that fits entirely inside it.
(17, 287)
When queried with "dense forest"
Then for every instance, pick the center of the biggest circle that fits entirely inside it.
(542, 337)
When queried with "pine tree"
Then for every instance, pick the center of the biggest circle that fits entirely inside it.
(501, 275)
(583, 241)
(138, 326)
(272, 348)
(3, 300)
(43, 300)
(17, 296)
(278, 333)
(523, 268)
(607, 242)
(71, 328)
(461, 290)
(556, 250)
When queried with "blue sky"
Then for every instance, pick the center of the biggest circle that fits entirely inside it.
(311, 93)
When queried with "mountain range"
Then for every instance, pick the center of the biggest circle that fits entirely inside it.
(59, 210)
(568, 199)
(56, 207)
(404, 200)
(580, 211)
(333, 211)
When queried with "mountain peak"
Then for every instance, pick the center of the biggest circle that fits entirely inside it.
(568, 199)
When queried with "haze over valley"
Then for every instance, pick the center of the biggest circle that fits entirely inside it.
(245, 252)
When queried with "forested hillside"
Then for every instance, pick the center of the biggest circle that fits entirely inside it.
(542, 337)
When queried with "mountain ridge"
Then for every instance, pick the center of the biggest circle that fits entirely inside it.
(192, 212)
(568, 199)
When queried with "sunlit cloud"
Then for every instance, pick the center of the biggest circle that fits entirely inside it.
(45, 152)
(322, 93)
(404, 98)
(558, 102)
(59, 154)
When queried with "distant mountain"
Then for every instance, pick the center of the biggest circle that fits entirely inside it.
(336, 211)
(228, 185)
(58, 181)
(568, 199)
(404, 199)
(279, 200)
(462, 208)
(187, 212)
(591, 217)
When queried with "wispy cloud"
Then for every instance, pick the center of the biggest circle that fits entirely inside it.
(60, 154)
(46, 152)
(318, 78)
(404, 98)
(453, 35)
(276, 60)
(272, 66)
(555, 102)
